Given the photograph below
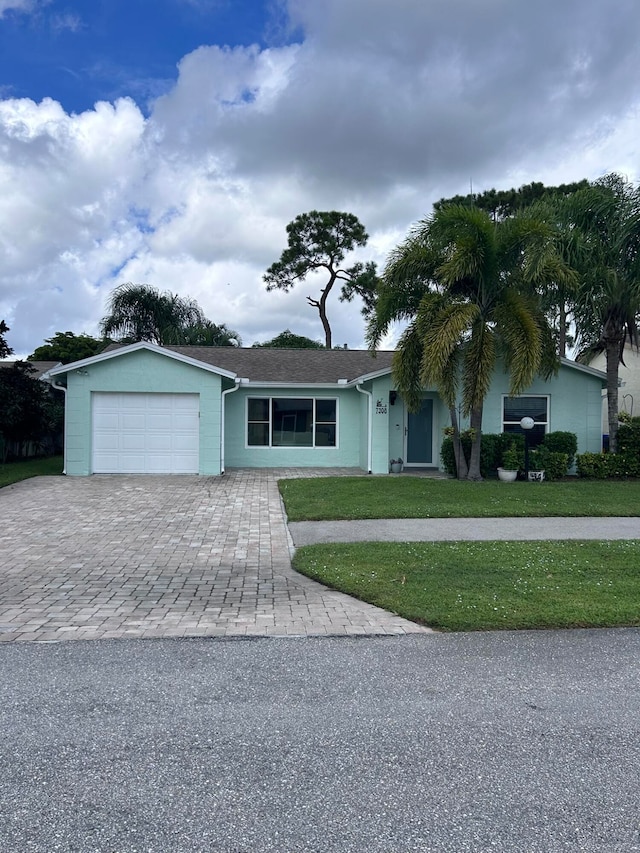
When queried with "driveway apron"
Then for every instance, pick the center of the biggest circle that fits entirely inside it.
(159, 556)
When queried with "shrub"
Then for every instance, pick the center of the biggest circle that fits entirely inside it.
(492, 450)
(562, 442)
(629, 437)
(512, 458)
(553, 464)
(600, 466)
(592, 465)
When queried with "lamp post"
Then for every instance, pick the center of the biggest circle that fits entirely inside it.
(527, 426)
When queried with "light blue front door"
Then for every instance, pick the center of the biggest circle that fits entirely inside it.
(419, 436)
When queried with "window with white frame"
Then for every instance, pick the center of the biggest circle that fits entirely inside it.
(292, 422)
(516, 408)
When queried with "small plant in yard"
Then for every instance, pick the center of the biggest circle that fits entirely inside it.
(512, 459)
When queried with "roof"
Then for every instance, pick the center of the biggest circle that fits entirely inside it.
(39, 367)
(584, 368)
(262, 365)
(292, 366)
(271, 366)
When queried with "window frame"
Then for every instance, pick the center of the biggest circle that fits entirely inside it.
(536, 423)
(314, 426)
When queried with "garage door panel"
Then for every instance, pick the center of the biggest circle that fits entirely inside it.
(106, 441)
(133, 421)
(163, 422)
(132, 441)
(181, 444)
(146, 433)
(160, 442)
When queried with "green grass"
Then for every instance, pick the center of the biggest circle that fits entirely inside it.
(472, 586)
(332, 498)
(13, 472)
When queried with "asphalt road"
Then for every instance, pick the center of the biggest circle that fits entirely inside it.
(525, 741)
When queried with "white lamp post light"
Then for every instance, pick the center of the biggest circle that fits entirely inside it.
(527, 425)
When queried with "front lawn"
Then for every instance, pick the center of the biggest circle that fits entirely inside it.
(13, 472)
(332, 498)
(470, 586)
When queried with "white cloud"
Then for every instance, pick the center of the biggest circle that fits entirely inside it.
(380, 110)
(17, 6)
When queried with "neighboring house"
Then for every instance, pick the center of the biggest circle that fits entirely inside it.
(629, 377)
(38, 367)
(196, 410)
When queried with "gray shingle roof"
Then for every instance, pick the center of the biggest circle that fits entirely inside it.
(304, 366)
(38, 367)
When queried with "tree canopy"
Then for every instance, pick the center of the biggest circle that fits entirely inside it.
(30, 409)
(204, 334)
(289, 340)
(139, 312)
(320, 241)
(500, 204)
(607, 306)
(466, 284)
(66, 347)
(5, 349)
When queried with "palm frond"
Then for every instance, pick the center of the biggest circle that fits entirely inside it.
(478, 362)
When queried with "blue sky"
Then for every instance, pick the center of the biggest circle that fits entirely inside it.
(169, 142)
(82, 52)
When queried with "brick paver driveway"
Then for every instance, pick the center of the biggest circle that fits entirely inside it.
(137, 556)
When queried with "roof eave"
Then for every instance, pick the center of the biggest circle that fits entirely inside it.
(140, 345)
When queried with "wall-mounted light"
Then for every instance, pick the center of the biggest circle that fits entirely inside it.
(393, 396)
(82, 371)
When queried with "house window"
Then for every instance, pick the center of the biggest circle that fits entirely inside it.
(291, 422)
(516, 408)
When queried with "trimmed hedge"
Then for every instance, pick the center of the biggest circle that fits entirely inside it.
(555, 454)
(602, 466)
(625, 463)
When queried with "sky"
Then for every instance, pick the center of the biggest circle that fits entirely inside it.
(169, 142)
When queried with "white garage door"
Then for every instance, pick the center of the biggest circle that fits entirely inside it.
(145, 433)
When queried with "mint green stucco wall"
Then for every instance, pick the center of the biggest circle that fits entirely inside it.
(574, 405)
(145, 372)
(398, 424)
(347, 454)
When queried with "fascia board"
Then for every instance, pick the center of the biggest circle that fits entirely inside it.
(295, 386)
(141, 345)
(367, 377)
(584, 368)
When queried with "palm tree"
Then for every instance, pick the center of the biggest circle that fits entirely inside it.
(608, 302)
(204, 334)
(138, 312)
(467, 284)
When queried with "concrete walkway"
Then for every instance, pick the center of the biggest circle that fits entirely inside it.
(456, 529)
(137, 556)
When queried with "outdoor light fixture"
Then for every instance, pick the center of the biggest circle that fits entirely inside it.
(393, 396)
(527, 425)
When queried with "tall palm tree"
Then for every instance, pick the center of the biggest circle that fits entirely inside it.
(608, 302)
(204, 334)
(467, 284)
(138, 312)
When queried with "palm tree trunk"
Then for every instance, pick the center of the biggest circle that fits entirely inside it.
(562, 330)
(476, 430)
(613, 357)
(462, 468)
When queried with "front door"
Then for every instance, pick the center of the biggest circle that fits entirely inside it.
(419, 436)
